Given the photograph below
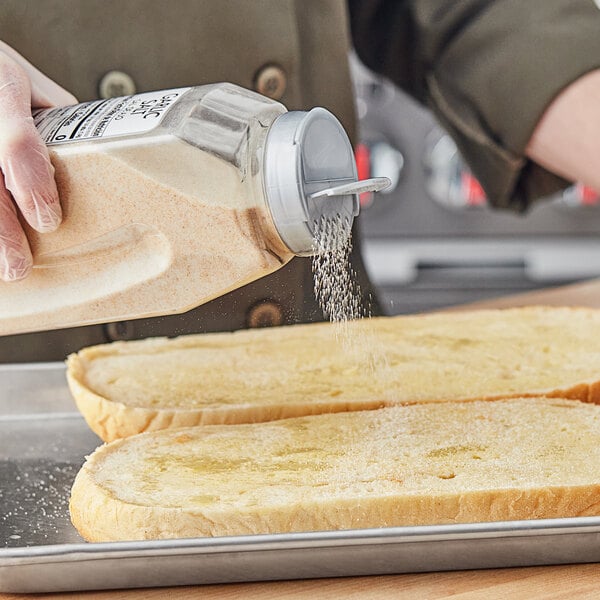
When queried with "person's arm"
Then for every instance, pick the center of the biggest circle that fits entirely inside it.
(490, 70)
(27, 175)
(566, 140)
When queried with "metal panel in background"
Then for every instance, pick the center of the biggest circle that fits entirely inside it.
(431, 241)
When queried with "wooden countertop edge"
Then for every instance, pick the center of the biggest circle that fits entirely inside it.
(579, 294)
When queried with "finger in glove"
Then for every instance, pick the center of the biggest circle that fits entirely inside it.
(15, 256)
(24, 160)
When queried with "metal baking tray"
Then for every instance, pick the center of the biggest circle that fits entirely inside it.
(43, 442)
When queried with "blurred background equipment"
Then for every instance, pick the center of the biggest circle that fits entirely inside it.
(430, 240)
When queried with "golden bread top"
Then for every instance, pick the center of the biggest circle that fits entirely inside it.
(418, 450)
(451, 356)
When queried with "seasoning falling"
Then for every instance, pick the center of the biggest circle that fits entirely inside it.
(335, 283)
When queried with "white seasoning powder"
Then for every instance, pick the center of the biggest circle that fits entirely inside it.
(335, 283)
(339, 295)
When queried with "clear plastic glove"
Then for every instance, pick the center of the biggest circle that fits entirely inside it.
(27, 175)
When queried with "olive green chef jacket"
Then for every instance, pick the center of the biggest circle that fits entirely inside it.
(163, 44)
(488, 69)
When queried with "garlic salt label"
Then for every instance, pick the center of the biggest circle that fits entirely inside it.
(105, 118)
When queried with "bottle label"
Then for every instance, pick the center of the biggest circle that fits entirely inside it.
(105, 118)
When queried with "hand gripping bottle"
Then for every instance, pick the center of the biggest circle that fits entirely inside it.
(175, 197)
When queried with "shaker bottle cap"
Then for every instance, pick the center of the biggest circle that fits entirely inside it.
(310, 174)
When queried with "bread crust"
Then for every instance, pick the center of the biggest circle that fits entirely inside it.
(100, 517)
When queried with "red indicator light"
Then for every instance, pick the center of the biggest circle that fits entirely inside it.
(362, 155)
(589, 196)
(472, 190)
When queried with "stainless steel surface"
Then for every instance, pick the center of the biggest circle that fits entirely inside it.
(415, 275)
(43, 442)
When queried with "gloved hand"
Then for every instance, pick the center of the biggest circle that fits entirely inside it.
(27, 175)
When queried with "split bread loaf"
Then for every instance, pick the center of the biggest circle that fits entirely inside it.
(454, 462)
(125, 388)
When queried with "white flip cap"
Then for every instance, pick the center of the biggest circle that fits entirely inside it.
(310, 173)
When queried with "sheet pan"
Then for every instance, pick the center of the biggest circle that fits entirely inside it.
(43, 442)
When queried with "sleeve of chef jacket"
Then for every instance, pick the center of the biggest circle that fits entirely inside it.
(488, 69)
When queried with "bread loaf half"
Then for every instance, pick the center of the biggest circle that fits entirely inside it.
(411, 465)
(261, 375)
